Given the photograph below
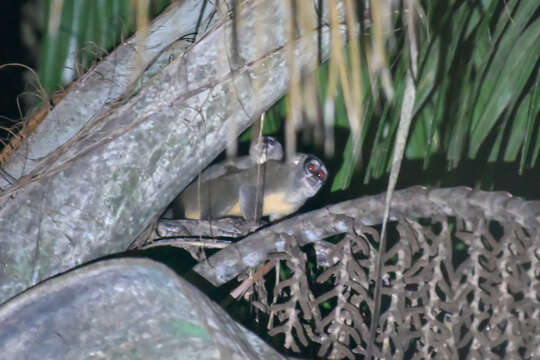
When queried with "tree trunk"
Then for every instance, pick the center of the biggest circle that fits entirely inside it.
(96, 192)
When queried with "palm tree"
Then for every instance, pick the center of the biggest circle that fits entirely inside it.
(459, 79)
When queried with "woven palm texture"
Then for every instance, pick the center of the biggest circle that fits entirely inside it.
(461, 279)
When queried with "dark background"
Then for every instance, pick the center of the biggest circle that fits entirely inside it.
(12, 50)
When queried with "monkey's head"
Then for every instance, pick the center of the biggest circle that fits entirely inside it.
(268, 148)
(310, 174)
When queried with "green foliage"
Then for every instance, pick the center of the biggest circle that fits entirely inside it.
(477, 90)
(273, 120)
(484, 83)
(85, 31)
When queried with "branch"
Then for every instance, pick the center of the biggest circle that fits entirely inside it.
(414, 202)
(97, 192)
(183, 242)
(97, 91)
(227, 227)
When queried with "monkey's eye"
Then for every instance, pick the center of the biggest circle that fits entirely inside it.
(321, 175)
(312, 168)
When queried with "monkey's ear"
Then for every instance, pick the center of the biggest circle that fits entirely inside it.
(297, 158)
(247, 200)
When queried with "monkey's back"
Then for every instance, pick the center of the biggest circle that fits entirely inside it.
(220, 197)
(206, 200)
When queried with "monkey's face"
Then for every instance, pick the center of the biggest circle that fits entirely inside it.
(313, 175)
(266, 149)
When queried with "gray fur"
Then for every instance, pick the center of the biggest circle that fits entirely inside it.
(259, 152)
(216, 197)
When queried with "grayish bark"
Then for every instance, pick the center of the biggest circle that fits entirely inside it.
(122, 309)
(227, 227)
(102, 188)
